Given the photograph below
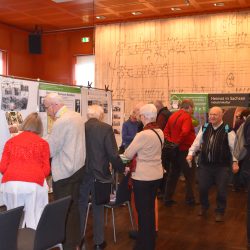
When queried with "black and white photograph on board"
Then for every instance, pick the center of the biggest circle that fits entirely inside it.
(14, 96)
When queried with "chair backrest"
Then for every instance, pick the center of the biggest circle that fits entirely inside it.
(51, 227)
(9, 224)
(123, 192)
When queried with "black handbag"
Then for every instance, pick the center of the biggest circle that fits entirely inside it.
(102, 192)
(170, 149)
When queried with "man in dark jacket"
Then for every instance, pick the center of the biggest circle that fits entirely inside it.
(163, 114)
(246, 172)
(101, 150)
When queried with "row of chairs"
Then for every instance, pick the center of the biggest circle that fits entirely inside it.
(50, 230)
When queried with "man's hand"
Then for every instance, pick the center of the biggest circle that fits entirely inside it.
(235, 167)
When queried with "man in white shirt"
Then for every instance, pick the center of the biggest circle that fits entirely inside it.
(215, 142)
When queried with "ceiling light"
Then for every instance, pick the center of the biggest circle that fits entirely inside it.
(136, 13)
(100, 17)
(175, 9)
(219, 4)
(61, 1)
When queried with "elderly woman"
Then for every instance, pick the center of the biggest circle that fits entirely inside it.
(147, 147)
(25, 165)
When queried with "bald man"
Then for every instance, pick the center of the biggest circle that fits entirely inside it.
(215, 142)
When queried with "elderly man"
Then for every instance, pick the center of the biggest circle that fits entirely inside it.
(216, 141)
(67, 149)
(101, 150)
(163, 114)
(180, 130)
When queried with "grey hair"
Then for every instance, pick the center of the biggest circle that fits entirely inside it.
(54, 98)
(95, 111)
(149, 111)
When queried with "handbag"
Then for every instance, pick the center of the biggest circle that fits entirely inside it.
(170, 149)
(102, 192)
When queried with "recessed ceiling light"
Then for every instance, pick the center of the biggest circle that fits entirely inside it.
(136, 13)
(61, 1)
(175, 9)
(100, 17)
(219, 4)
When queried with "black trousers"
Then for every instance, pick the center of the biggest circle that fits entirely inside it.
(65, 187)
(245, 172)
(178, 165)
(145, 194)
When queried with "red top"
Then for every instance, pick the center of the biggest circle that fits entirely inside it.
(180, 131)
(25, 158)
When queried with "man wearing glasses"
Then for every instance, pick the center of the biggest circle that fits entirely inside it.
(67, 150)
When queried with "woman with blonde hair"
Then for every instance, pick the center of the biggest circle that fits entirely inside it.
(25, 165)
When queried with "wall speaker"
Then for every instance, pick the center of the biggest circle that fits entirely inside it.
(35, 45)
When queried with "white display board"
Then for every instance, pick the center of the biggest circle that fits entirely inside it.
(70, 94)
(92, 96)
(118, 115)
(18, 99)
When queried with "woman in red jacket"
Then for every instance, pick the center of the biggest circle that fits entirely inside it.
(25, 165)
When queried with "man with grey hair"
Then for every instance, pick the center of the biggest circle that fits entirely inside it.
(101, 150)
(215, 141)
(67, 150)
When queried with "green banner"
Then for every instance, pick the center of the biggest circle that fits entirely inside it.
(200, 101)
(60, 88)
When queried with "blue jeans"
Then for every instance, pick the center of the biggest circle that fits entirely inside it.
(209, 175)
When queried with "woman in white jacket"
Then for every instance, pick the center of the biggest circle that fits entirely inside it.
(146, 147)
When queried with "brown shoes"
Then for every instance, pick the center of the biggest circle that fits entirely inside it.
(219, 217)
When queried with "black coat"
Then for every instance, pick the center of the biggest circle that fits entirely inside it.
(101, 150)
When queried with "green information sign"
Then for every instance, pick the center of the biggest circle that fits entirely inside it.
(200, 101)
(59, 88)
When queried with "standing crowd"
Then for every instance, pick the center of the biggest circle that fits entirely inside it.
(79, 153)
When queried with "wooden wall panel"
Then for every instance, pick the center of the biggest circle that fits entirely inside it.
(15, 43)
(58, 51)
(196, 54)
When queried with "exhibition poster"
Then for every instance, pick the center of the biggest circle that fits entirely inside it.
(200, 106)
(71, 96)
(118, 114)
(18, 100)
(101, 97)
(231, 103)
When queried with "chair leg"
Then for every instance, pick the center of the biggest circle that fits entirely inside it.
(86, 219)
(113, 220)
(130, 214)
(106, 216)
